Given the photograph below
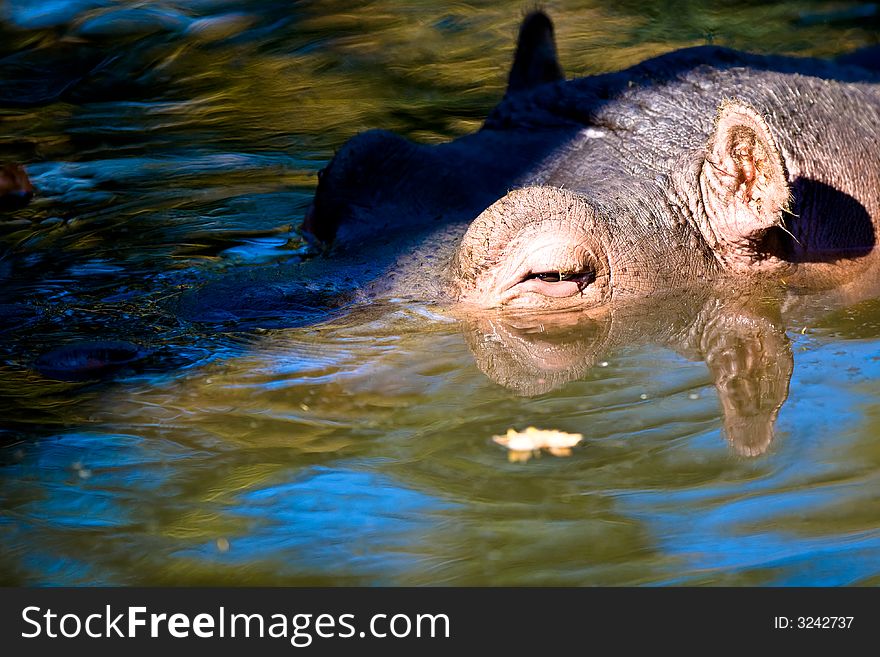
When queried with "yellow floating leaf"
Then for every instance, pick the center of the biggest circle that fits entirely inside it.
(524, 444)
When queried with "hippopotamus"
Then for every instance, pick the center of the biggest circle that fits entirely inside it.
(704, 166)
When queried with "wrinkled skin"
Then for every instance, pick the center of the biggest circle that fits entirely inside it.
(700, 166)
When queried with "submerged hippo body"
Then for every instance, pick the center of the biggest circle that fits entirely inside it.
(701, 165)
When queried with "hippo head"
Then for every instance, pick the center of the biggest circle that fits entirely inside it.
(719, 210)
(600, 209)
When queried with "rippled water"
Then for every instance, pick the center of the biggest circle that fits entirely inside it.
(732, 442)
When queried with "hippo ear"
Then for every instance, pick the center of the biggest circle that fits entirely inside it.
(743, 180)
(535, 61)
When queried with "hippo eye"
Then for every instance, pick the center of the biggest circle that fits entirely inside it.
(581, 278)
(550, 276)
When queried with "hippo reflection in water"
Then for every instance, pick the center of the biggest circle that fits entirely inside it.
(741, 339)
(627, 200)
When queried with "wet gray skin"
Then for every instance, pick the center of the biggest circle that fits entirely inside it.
(703, 166)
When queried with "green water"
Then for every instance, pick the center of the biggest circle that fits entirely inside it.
(359, 450)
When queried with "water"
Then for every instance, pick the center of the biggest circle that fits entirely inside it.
(732, 443)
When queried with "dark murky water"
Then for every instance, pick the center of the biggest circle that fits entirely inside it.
(735, 442)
